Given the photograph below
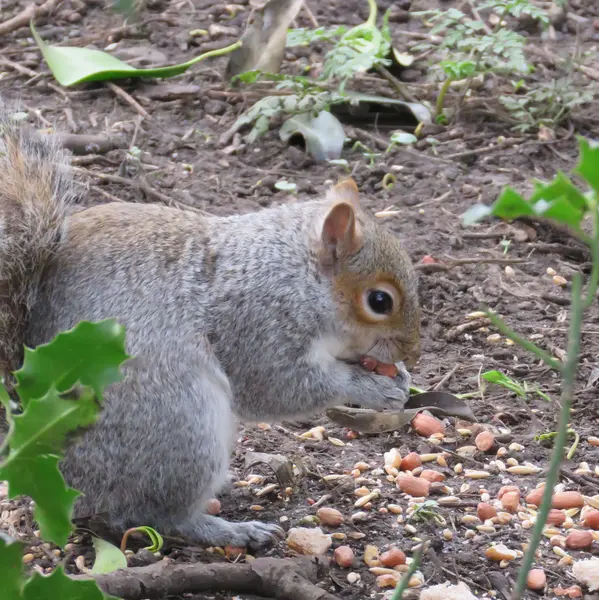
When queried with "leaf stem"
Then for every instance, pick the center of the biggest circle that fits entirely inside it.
(371, 22)
(441, 96)
(568, 375)
(213, 53)
(524, 343)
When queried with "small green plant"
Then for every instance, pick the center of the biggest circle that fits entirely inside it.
(454, 71)
(60, 388)
(360, 49)
(521, 389)
(368, 153)
(549, 104)
(473, 48)
(305, 37)
(550, 436)
(562, 201)
(427, 511)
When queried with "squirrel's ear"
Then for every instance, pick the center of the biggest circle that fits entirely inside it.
(341, 235)
(345, 191)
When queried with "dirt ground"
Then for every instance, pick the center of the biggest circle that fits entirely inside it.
(181, 161)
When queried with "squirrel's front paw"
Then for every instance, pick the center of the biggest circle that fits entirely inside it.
(255, 534)
(391, 394)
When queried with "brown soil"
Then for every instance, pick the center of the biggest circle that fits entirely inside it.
(182, 162)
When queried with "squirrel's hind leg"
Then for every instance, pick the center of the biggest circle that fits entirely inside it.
(161, 448)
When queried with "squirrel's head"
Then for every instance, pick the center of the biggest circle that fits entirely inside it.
(374, 282)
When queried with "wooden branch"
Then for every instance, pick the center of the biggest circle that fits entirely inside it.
(282, 579)
(32, 12)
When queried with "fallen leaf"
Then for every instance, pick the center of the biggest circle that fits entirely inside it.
(323, 134)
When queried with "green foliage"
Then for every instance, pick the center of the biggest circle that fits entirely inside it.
(269, 108)
(516, 8)
(562, 201)
(90, 354)
(521, 389)
(304, 37)
(559, 200)
(72, 65)
(360, 49)
(108, 557)
(500, 50)
(58, 585)
(60, 389)
(155, 537)
(549, 103)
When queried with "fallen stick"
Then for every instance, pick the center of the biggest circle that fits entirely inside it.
(32, 12)
(278, 578)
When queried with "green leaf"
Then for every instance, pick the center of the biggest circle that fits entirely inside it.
(511, 205)
(286, 186)
(503, 380)
(560, 186)
(323, 134)
(588, 165)
(559, 210)
(58, 586)
(403, 138)
(72, 65)
(303, 37)
(108, 557)
(31, 468)
(11, 569)
(155, 537)
(90, 353)
(40, 479)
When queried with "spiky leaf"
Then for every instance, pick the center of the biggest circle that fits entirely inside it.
(90, 353)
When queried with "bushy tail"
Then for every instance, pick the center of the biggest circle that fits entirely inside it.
(35, 193)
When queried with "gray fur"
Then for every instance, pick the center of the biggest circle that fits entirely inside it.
(224, 318)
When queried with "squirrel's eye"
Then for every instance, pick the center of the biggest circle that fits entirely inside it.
(380, 302)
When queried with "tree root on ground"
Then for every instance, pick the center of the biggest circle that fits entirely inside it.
(279, 578)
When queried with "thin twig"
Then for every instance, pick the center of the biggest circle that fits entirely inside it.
(121, 93)
(311, 16)
(31, 13)
(396, 83)
(568, 376)
(446, 378)
(23, 70)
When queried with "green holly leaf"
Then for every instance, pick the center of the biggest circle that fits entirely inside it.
(511, 205)
(90, 353)
(57, 586)
(35, 440)
(40, 478)
(560, 187)
(11, 568)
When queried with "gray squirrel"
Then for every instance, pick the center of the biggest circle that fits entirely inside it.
(260, 316)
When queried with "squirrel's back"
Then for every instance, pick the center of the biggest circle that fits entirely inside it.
(36, 190)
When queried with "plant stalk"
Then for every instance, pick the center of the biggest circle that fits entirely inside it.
(371, 22)
(441, 97)
(568, 376)
(524, 343)
(402, 586)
